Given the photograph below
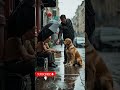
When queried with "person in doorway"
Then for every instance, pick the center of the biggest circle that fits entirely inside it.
(65, 28)
(17, 59)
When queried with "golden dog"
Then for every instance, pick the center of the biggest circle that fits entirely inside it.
(97, 74)
(73, 55)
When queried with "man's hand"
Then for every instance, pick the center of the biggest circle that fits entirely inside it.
(53, 50)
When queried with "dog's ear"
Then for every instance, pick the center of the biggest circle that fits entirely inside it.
(69, 41)
(65, 41)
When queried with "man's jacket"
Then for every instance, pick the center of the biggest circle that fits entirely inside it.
(67, 30)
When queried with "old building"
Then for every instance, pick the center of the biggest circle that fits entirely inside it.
(79, 19)
(50, 13)
(107, 12)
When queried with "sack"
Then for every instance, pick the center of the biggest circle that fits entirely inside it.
(57, 54)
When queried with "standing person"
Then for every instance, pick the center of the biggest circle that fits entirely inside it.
(65, 28)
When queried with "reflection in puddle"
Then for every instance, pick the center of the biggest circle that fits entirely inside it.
(67, 78)
(51, 85)
(61, 85)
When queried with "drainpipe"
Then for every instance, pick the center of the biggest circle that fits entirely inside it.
(37, 18)
(41, 18)
(38, 15)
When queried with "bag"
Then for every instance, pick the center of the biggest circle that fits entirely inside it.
(57, 54)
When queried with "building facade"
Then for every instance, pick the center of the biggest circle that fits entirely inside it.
(50, 13)
(107, 12)
(79, 19)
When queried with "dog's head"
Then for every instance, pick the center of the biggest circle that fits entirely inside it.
(67, 41)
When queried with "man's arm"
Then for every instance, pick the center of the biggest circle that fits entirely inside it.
(60, 32)
(25, 54)
(30, 48)
(47, 46)
(48, 49)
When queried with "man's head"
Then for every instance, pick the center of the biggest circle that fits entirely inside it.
(29, 34)
(63, 18)
(48, 39)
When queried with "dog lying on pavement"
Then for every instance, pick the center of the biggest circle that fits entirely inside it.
(73, 55)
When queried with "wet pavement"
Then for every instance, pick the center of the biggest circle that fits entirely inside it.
(67, 77)
(111, 58)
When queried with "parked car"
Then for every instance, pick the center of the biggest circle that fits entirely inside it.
(79, 41)
(106, 37)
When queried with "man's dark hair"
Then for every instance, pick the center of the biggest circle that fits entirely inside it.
(62, 16)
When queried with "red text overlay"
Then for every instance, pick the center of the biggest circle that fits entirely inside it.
(42, 74)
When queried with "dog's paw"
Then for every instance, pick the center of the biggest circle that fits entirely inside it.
(66, 65)
(80, 65)
(73, 64)
(70, 64)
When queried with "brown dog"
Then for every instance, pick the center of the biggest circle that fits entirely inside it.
(73, 55)
(97, 74)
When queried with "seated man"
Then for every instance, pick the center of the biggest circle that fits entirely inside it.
(43, 50)
(17, 57)
(28, 46)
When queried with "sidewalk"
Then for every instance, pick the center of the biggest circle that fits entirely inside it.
(67, 78)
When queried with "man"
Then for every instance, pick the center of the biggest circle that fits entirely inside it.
(65, 28)
(17, 59)
(43, 50)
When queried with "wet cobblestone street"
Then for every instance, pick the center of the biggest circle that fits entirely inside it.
(67, 78)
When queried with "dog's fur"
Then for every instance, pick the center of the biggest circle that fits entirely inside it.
(73, 55)
(97, 74)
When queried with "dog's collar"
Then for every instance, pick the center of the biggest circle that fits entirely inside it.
(71, 46)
